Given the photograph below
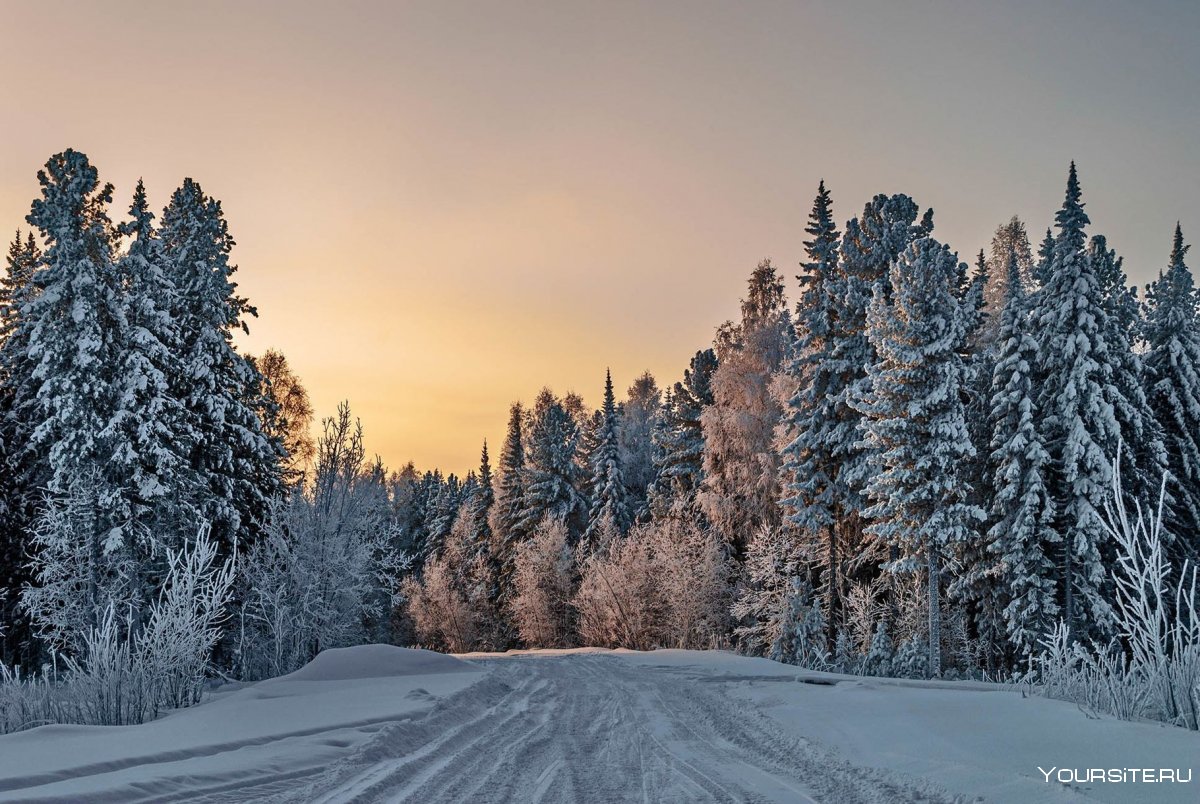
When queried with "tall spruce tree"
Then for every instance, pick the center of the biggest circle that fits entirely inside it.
(1022, 538)
(914, 423)
(1078, 425)
(679, 439)
(635, 425)
(553, 490)
(609, 508)
(149, 428)
(814, 494)
(505, 518)
(1172, 381)
(237, 464)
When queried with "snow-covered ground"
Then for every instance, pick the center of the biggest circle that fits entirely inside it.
(386, 724)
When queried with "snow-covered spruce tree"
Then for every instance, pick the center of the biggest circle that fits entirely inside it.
(609, 505)
(478, 507)
(444, 500)
(18, 496)
(740, 491)
(814, 497)
(505, 516)
(679, 441)
(914, 424)
(149, 430)
(74, 323)
(237, 464)
(869, 245)
(1022, 538)
(554, 481)
(1172, 381)
(1144, 455)
(635, 424)
(1078, 425)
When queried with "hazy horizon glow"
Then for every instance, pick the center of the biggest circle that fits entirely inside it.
(442, 207)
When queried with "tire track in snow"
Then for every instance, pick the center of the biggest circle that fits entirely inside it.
(578, 728)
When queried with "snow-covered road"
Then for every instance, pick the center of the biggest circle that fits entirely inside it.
(378, 723)
(599, 728)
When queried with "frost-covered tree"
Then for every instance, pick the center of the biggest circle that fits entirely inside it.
(1010, 241)
(635, 425)
(505, 515)
(609, 502)
(1172, 381)
(1078, 424)
(740, 491)
(18, 496)
(75, 322)
(814, 494)
(554, 481)
(1022, 538)
(775, 562)
(870, 244)
(1144, 455)
(323, 575)
(544, 583)
(679, 440)
(221, 390)
(149, 432)
(914, 424)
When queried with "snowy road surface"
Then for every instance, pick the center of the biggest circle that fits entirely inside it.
(597, 728)
(379, 723)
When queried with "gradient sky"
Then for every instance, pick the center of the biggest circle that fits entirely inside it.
(441, 207)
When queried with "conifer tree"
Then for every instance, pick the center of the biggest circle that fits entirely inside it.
(914, 423)
(554, 481)
(1078, 425)
(609, 509)
(506, 513)
(679, 439)
(814, 494)
(1143, 455)
(635, 424)
(237, 464)
(1172, 379)
(148, 430)
(1022, 539)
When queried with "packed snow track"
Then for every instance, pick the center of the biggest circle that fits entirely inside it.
(597, 728)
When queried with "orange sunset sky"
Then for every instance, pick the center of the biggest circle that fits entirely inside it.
(441, 207)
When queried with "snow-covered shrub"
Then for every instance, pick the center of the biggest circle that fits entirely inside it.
(1154, 669)
(543, 585)
(801, 639)
(119, 672)
(774, 559)
(323, 574)
(878, 661)
(911, 659)
(664, 585)
(441, 613)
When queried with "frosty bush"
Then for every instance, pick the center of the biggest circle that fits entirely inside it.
(544, 584)
(664, 585)
(121, 673)
(441, 613)
(322, 575)
(1154, 670)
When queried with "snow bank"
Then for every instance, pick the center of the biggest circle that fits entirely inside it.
(271, 733)
(377, 661)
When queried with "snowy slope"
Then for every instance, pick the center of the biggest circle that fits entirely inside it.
(385, 724)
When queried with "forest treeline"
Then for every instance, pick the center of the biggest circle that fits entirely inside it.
(904, 471)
